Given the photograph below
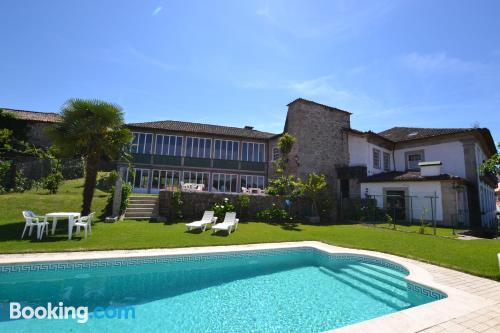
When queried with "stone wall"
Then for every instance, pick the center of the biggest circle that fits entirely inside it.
(195, 203)
(321, 142)
(37, 134)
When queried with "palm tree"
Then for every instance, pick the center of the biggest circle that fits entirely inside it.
(92, 129)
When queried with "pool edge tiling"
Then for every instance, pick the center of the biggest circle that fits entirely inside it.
(457, 302)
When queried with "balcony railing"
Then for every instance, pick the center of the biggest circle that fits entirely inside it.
(226, 164)
(197, 162)
(205, 163)
(167, 160)
(253, 166)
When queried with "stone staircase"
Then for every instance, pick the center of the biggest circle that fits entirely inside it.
(142, 207)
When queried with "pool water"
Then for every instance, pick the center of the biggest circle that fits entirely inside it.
(288, 290)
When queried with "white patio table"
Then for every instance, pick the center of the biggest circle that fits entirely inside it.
(60, 215)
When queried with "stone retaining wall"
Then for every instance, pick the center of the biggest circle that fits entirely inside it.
(195, 203)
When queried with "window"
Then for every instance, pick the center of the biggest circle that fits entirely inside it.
(165, 179)
(248, 181)
(387, 161)
(376, 158)
(413, 158)
(222, 182)
(198, 147)
(226, 150)
(191, 177)
(168, 145)
(276, 154)
(253, 152)
(142, 143)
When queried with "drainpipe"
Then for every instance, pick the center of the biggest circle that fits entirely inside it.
(393, 160)
(456, 187)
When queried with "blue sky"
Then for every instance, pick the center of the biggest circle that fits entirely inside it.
(390, 63)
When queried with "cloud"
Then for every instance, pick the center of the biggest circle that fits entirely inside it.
(344, 19)
(438, 62)
(151, 61)
(319, 87)
(265, 12)
(157, 10)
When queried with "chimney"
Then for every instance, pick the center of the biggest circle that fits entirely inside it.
(429, 169)
(248, 127)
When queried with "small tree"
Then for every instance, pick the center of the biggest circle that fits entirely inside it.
(92, 129)
(284, 184)
(285, 146)
(312, 188)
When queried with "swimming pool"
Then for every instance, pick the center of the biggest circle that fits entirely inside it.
(300, 289)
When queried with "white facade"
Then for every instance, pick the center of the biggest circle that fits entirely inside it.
(361, 153)
(451, 154)
(421, 193)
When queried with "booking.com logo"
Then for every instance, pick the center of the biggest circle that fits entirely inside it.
(61, 312)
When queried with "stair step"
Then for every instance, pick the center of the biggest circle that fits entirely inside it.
(396, 301)
(138, 216)
(138, 210)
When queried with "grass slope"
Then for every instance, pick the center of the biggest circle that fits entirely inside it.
(475, 256)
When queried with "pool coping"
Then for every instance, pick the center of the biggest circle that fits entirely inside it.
(457, 303)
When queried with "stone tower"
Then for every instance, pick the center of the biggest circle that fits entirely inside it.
(321, 142)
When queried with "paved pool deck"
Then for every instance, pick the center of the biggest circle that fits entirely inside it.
(472, 305)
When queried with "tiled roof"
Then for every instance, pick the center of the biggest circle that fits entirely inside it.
(398, 134)
(181, 126)
(398, 176)
(46, 117)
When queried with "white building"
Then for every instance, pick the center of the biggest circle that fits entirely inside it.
(426, 173)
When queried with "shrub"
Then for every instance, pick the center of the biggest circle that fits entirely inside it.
(52, 182)
(126, 191)
(72, 168)
(177, 204)
(220, 209)
(243, 201)
(4, 175)
(389, 220)
(369, 211)
(22, 183)
(106, 182)
(421, 229)
(273, 214)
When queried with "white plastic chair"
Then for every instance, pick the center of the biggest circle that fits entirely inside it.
(207, 219)
(229, 224)
(84, 222)
(33, 220)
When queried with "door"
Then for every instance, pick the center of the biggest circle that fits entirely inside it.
(396, 204)
(141, 180)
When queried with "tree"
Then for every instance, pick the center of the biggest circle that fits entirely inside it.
(285, 145)
(312, 188)
(492, 164)
(92, 129)
(284, 184)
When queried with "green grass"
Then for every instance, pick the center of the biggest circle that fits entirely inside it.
(474, 256)
(428, 230)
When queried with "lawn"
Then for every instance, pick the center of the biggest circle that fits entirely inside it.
(474, 256)
(428, 230)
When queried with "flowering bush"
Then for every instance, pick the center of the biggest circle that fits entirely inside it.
(273, 214)
(220, 209)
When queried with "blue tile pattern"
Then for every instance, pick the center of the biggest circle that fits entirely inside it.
(103, 263)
